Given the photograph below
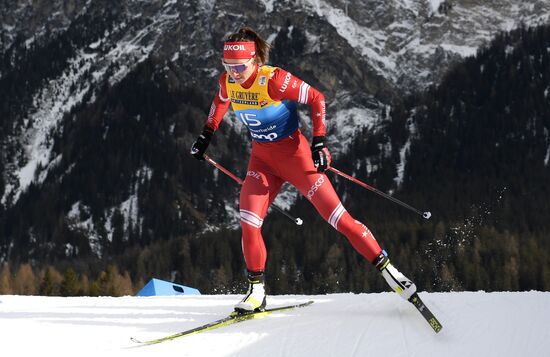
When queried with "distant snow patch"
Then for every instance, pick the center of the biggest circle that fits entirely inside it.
(434, 5)
(463, 51)
(347, 123)
(404, 152)
(268, 5)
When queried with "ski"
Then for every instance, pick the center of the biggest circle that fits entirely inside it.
(233, 318)
(426, 313)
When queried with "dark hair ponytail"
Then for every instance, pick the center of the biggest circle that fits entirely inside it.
(248, 34)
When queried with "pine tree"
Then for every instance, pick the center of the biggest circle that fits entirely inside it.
(6, 284)
(70, 284)
(50, 282)
(94, 289)
(84, 285)
(25, 282)
(111, 283)
(124, 284)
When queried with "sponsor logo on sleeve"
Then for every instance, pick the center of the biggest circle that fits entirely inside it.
(285, 82)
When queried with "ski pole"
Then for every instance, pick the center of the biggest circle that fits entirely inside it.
(425, 215)
(298, 220)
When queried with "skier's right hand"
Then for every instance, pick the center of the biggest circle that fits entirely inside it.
(199, 146)
(320, 154)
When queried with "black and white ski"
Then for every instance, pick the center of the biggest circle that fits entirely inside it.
(229, 320)
(426, 313)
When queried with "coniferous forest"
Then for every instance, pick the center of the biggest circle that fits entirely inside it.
(477, 156)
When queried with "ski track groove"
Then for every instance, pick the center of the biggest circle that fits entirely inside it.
(355, 308)
(284, 343)
(337, 336)
(403, 328)
(359, 339)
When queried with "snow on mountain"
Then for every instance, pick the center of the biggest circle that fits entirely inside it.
(61, 94)
(388, 48)
(411, 43)
(408, 43)
(55, 99)
(368, 42)
(33, 20)
(475, 324)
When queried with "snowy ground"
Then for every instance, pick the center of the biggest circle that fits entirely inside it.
(475, 324)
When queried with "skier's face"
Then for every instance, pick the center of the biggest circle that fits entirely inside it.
(239, 68)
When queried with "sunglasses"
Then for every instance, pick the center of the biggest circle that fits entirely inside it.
(238, 68)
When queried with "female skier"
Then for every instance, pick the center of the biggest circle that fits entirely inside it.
(264, 99)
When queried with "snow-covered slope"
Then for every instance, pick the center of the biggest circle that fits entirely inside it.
(475, 324)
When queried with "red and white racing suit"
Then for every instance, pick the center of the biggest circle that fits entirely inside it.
(266, 103)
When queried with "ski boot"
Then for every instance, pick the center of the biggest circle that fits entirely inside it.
(399, 283)
(255, 299)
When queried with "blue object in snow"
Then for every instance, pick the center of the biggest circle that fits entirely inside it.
(157, 287)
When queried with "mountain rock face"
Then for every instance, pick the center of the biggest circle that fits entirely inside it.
(101, 101)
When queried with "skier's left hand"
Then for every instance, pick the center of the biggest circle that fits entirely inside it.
(320, 154)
